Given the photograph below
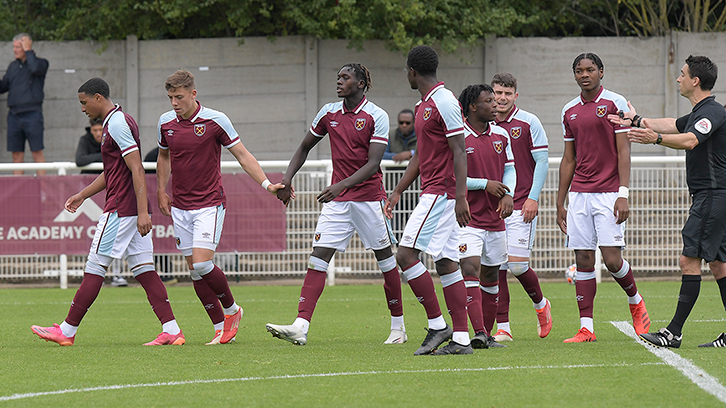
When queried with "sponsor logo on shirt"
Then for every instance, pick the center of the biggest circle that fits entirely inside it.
(703, 126)
(200, 129)
(360, 123)
(333, 123)
(427, 113)
(516, 132)
(573, 116)
(469, 150)
(169, 132)
(498, 146)
(601, 110)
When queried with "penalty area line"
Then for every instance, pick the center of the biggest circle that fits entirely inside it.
(702, 379)
(297, 376)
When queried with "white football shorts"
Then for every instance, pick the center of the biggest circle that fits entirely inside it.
(119, 238)
(340, 219)
(432, 228)
(520, 235)
(200, 228)
(591, 222)
(490, 246)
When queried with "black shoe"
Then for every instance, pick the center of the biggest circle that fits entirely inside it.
(454, 348)
(433, 340)
(491, 343)
(719, 342)
(663, 338)
(480, 340)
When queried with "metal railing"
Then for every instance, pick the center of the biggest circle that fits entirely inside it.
(659, 204)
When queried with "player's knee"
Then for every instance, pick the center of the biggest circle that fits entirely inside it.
(143, 268)
(95, 268)
(518, 268)
(203, 268)
(317, 264)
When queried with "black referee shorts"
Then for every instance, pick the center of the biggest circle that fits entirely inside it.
(704, 235)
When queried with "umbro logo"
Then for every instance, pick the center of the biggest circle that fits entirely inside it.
(420, 299)
(573, 116)
(169, 132)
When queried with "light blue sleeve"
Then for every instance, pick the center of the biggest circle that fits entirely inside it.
(476, 183)
(540, 174)
(120, 131)
(510, 178)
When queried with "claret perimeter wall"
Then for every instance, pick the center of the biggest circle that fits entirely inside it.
(271, 89)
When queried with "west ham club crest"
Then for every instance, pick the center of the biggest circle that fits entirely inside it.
(360, 123)
(601, 111)
(427, 113)
(516, 132)
(498, 146)
(200, 129)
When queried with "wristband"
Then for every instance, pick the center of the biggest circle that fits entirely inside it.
(623, 192)
(265, 184)
(636, 120)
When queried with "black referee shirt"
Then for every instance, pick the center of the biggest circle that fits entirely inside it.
(705, 163)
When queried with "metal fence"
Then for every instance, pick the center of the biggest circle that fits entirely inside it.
(659, 204)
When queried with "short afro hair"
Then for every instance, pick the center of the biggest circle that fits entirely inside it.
(423, 59)
(95, 86)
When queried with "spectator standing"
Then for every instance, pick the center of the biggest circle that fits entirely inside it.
(23, 81)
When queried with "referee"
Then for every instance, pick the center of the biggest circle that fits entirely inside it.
(702, 134)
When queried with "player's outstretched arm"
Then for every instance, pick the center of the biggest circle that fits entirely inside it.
(621, 209)
(375, 155)
(252, 167)
(92, 189)
(287, 193)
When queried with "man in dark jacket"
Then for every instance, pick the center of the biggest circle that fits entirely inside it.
(89, 146)
(24, 82)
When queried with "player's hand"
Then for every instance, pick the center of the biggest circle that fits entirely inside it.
(272, 189)
(143, 224)
(286, 193)
(562, 218)
(496, 188)
(623, 118)
(403, 156)
(73, 203)
(463, 215)
(642, 136)
(330, 193)
(164, 203)
(621, 211)
(530, 209)
(505, 207)
(391, 202)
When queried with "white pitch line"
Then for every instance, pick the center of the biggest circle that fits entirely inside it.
(694, 373)
(284, 377)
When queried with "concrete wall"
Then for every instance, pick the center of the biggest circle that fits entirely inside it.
(271, 90)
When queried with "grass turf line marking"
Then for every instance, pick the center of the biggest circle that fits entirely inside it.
(699, 377)
(296, 376)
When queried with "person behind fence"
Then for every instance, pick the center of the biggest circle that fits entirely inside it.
(24, 81)
(123, 230)
(358, 133)
(401, 147)
(702, 134)
(433, 227)
(491, 181)
(89, 146)
(594, 179)
(190, 138)
(529, 146)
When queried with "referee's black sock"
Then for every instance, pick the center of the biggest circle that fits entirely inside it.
(722, 288)
(690, 287)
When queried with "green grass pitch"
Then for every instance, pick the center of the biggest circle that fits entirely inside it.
(345, 363)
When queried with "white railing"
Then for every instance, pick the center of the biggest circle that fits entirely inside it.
(659, 204)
